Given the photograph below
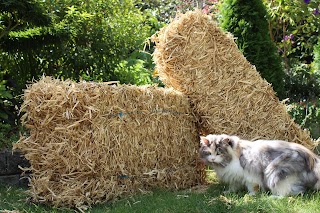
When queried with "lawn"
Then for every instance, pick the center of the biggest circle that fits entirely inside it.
(198, 199)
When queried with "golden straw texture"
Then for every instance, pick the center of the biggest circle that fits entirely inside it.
(194, 56)
(92, 142)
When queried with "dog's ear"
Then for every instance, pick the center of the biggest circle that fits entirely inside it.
(204, 141)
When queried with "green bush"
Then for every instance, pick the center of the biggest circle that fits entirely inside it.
(307, 114)
(8, 135)
(316, 62)
(8, 117)
(135, 69)
(294, 27)
(85, 40)
(302, 83)
(5, 103)
(247, 21)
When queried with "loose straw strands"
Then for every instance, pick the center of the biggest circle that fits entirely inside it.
(193, 55)
(92, 142)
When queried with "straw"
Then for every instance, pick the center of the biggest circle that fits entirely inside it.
(92, 142)
(227, 94)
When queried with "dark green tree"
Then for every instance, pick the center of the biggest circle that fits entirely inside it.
(86, 39)
(18, 15)
(247, 21)
(15, 16)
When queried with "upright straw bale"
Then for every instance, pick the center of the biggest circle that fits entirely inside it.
(91, 142)
(228, 95)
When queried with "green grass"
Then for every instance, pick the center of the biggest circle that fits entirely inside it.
(202, 199)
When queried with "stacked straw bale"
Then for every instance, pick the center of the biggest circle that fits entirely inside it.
(91, 142)
(193, 55)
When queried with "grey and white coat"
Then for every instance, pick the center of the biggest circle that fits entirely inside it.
(284, 168)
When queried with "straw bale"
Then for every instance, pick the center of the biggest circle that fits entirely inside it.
(194, 56)
(92, 142)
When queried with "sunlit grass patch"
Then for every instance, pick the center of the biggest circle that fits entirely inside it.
(204, 198)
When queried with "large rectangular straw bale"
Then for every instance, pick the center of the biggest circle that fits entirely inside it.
(194, 56)
(91, 142)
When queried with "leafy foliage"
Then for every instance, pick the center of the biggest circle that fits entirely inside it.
(8, 135)
(17, 14)
(8, 127)
(5, 97)
(246, 20)
(316, 62)
(134, 70)
(307, 114)
(294, 26)
(162, 10)
(85, 41)
(302, 83)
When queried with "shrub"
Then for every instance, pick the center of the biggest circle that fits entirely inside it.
(135, 69)
(316, 62)
(307, 114)
(294, 27)
(5, 97)
(8, 135)
(302, 83)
